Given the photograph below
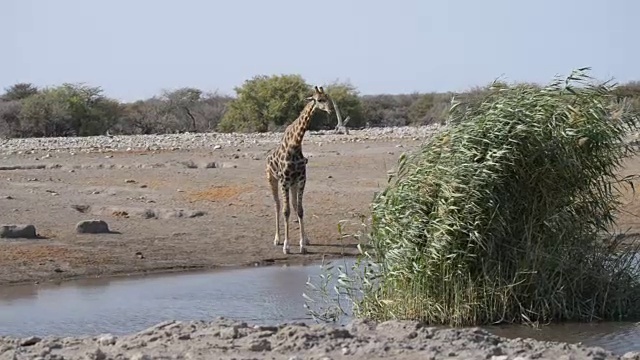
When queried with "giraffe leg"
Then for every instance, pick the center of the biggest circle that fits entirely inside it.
(273, 181)
(297, 198)
(286, 211)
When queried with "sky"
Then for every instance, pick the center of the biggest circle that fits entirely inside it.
(134, 49)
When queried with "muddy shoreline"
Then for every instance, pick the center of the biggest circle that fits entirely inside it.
(309, 260)
(228, 339)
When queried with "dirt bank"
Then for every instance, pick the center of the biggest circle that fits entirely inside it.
(225, 339)
(187, 201)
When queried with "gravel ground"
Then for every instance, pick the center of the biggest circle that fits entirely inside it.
(188, 141)
(226, 339)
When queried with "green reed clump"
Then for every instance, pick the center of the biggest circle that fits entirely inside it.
(503, 215)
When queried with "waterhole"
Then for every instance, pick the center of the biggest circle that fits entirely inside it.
(260, 295)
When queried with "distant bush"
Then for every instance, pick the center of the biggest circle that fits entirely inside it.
(503, 216)
(268, 103)
(262, 103)
(19, 91)
(346, 97)
(265, 103)
(69, 109)
(181, 110)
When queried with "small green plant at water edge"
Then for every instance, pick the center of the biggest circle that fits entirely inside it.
(503, 216)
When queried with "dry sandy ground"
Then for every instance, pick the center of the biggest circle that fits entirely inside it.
(225, 339)
(141, 193)
(147, 196)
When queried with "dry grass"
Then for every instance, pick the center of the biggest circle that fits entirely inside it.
(218, 193)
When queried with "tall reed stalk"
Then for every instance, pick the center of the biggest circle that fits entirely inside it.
(503, 216)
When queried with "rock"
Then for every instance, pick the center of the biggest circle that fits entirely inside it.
(92, 227)
(18, 231)
(178, 213)
(80, 208)
(141, 357)
(209, 165)
(260, 345)
(229, 333)
(106, 339)
(30, 341)
(189, 164)
(96, 354)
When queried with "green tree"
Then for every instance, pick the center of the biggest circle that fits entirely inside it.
(10, 118)
(69, 109)
(419, 111)
(19, 91)
(180, 104)
(347, 99)
(45, 114)
(265, 103)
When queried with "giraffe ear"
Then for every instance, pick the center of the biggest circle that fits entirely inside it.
(316, 89)
(321, 90)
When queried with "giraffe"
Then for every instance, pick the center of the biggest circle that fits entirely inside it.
(287, 168)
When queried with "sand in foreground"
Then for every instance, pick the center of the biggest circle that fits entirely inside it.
(226, 339)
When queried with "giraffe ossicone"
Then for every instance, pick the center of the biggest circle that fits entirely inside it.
(287, 168)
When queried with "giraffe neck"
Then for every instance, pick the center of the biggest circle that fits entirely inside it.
(300, 126)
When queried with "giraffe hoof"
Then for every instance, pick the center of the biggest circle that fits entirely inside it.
(303, 250)
(285, 251)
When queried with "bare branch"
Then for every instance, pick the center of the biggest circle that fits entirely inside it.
(340, 127)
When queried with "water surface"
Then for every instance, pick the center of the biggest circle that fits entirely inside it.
(261, 295)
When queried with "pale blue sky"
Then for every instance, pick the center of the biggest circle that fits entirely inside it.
(135, 48)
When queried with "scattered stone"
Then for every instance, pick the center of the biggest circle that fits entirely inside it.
(189, 164)
(26, 231)
(96, 354)
(80, 208)
(187, 141)
(178, 213)
(260, 345)
(226, 339)
(147, 213)
(129, 181)
(30, 341)
(107, 339)
(92, 227)
(209, 165)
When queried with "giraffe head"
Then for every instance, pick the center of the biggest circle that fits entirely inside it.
(321, 99)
